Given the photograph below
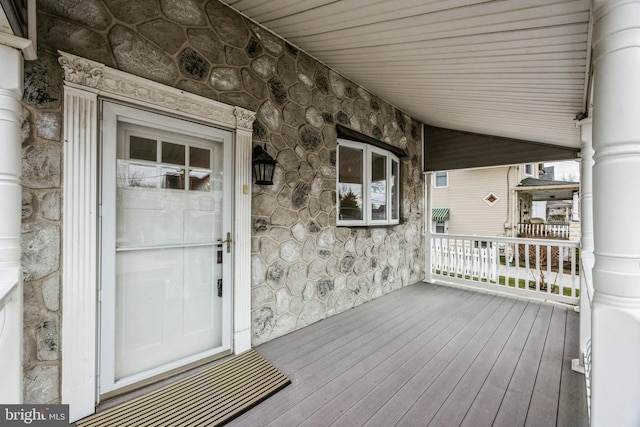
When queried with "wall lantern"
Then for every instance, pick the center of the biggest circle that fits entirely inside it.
(263, 166)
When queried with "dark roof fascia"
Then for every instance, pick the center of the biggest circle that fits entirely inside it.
(346, 133)
(449, 149)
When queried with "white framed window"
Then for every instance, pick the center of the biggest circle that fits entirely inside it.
(441, 226)
(441, 179)
(368, 185)
(528, 169)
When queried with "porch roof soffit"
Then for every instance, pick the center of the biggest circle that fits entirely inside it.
(549, 193)
(514, 69)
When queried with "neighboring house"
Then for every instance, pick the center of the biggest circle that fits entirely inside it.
(560, 215)
(502, 201)
(477, 201)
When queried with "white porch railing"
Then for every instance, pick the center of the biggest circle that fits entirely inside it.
(555, 231)
(583, 364)
(539, 268)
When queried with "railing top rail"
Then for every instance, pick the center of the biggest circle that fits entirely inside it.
(544, 242)
(546, 223)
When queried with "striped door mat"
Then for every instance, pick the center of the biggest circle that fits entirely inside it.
(208, 398)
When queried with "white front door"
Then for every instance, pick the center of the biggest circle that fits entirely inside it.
(165, 227)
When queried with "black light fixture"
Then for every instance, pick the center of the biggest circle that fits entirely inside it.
(264, 166)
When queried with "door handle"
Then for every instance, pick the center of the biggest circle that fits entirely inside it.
(228, 242)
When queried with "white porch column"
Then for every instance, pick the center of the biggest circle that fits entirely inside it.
(586, 237)
(616, 175)
(586, 188)
(428, 224)
(11, 77)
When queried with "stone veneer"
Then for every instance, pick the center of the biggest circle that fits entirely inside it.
(41, 229)
(304, 268)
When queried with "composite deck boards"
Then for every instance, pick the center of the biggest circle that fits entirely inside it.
(515, 404)
(360, 385)
(429, 355)
(572, 406)
(486, 345)
(546, 392)
(318, 398)
(479, 387)
(323, 332)
(469, 338)
(423, 361)
(487, 402)
(344, 358)
(371, 335)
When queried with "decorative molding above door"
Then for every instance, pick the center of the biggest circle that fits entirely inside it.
(116, 84)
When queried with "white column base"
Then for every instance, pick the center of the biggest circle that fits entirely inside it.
(616, 371)
(577, 366)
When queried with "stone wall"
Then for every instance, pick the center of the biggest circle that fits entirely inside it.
(304, 268)
(41, 228)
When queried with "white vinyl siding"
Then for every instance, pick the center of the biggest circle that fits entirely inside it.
(465, 196)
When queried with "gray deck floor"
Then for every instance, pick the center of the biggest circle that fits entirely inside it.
(430, 355)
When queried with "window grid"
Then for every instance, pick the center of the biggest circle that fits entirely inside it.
(158, 169)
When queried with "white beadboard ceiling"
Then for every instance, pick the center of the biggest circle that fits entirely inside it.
(514, 68)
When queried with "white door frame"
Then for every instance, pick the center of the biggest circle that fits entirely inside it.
(85, 81)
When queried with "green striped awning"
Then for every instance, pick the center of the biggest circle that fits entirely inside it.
(440, 214)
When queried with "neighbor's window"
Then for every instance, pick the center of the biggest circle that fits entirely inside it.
(528, 169)
(441, 179)
(367, 186)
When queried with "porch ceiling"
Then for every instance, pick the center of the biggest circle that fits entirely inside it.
(550, 194)
(506, 68)
(543, 190)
